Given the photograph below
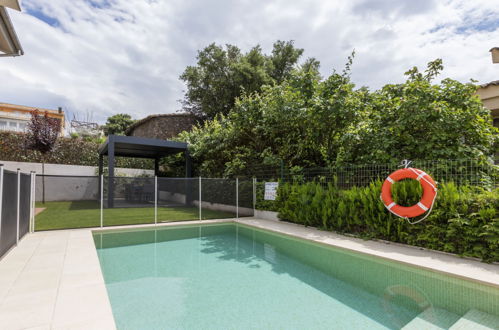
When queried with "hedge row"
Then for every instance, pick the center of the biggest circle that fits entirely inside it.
(68, 151)
(464, 221)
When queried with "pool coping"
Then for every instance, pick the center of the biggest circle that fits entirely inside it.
(440, 262)
(53, 279)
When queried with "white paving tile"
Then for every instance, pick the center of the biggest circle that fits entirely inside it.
(53, 280)
(27, 310)
(36, 281)
(90, 302)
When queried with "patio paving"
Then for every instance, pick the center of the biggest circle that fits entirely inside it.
(52, 280)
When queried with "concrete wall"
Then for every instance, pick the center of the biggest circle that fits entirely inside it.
(243, 211)
(171, 197)
(67, 189)
(267, 215)
(58, 169)
(180, 198)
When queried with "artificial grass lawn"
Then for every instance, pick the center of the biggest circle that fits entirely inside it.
(81, 214)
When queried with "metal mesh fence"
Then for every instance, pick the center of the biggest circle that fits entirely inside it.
(67, 202)
(344, 176)
(128, 201)
(178, 199)
(246, 202)
(74, 202)
(218, 198)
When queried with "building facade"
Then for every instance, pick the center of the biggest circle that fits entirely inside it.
(162, 126)
(489, 93)
(15, 118)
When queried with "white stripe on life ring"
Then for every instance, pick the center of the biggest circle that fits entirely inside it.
(390, 180)
(421, 175)
(424, 208)
(392, 204)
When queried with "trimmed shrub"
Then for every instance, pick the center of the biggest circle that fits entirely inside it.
(464, 221)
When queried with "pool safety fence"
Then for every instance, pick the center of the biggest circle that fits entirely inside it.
(92, 201)
(77, 202)
(17, 207)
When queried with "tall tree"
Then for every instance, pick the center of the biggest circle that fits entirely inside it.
(117, 124)
(41, 136)
(283, 59)
(222, 74)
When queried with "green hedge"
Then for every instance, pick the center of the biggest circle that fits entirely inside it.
(464, 221)
(68, 151)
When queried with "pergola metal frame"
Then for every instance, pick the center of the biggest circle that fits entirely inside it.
(138, 147)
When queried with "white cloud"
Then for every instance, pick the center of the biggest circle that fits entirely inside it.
(126, 56)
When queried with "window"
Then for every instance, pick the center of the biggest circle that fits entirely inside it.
(13, 125)
(496, 122)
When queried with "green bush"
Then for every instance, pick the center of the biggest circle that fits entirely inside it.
(68, 151)
(464, 221)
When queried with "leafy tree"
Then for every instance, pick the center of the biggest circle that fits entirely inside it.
(421, 120)
(307, 121)
(41, 136)
(221, 75)
(283, 59)
(299, 122)
(117, 124)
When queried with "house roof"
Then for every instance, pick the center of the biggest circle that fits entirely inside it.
(26, 108)
(130, 129)
(492, 83)
(9, 43)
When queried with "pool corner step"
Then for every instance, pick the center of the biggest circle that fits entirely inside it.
(476, 320)
(432, 319)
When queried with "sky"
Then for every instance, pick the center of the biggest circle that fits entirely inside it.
(96, 58)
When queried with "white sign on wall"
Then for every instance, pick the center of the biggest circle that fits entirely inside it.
(270, 191)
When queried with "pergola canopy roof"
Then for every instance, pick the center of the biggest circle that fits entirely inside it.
(132, 146)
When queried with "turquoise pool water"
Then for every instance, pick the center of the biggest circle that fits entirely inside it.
(231, 276)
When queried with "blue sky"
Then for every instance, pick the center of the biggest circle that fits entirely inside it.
(96, 58)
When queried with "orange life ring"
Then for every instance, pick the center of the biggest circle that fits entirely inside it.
(426, 202)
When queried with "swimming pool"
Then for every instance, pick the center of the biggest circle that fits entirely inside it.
(227, 276)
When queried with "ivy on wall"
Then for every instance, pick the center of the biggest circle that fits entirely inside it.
(68, 151)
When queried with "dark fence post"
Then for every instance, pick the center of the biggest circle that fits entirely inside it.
(18, 203)
(110, 161)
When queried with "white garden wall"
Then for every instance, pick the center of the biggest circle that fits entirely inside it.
(59, 169)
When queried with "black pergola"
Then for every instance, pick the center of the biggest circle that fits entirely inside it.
(137, 147)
